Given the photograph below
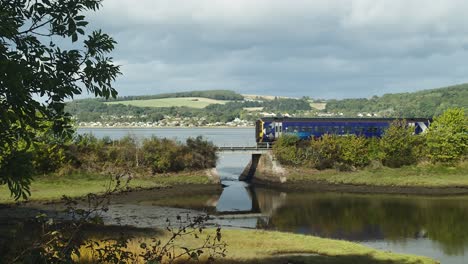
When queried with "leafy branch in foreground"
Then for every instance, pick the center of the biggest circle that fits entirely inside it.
(39, 71)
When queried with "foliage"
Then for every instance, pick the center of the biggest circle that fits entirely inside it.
(329, 151)
(398, 144)
(200, 153)
(447, 138)
(88, 154)
(281, 105)
(355, 151)
(127, 155)
(34, 65)
(285, 150)
(164, 155)
(425, 103)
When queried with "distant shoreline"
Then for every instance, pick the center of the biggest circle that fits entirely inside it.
(164, 127)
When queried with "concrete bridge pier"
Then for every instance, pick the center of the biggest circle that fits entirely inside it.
(263, 169)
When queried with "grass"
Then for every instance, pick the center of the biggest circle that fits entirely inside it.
(255, 246)
(53, 187)
(193, 102)
(424, 175)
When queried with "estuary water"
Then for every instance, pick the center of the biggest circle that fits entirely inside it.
(436, 227)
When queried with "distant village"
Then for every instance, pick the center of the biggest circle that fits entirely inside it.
(169, 121)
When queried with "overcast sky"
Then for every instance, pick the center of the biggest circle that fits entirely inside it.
(322, 49)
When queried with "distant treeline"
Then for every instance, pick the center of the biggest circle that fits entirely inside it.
(425, 103)
(212, 94)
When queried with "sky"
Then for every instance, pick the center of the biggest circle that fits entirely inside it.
(322, 49)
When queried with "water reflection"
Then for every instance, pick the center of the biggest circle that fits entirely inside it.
(235, 198)
(375, 217)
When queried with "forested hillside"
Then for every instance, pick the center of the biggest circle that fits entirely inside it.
(426, 103)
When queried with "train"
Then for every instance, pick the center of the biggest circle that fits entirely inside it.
(268, 129)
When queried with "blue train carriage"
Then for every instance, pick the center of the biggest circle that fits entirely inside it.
(269, 129)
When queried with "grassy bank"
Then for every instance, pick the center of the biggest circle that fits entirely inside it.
(53, 187)
(424, 175)
(247, 246)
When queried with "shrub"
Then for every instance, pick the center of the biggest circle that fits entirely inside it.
(201, 154)
(447, 137)
(285, 150)
(326, 152)
(162, 155)
(354, 151)
(397, 145)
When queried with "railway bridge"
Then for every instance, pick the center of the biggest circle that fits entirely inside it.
(248, 149)
(262, 166)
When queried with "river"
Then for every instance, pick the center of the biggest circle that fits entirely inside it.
(436, 227)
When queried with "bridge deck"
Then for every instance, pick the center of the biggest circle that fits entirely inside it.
(245, 148)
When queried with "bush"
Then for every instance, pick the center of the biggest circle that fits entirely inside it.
(286, 152)
(201, 154)
(447, 137)
(162, 155)
(326, 152)
(397, 145)
(354, 151)
(329, 151)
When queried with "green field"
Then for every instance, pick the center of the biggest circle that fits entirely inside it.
(193, 102)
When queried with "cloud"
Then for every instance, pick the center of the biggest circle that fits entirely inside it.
(325, 49)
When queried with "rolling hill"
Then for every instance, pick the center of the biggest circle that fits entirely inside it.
(425, 103)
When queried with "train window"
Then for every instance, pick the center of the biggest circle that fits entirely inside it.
(280, 128)
(276, 128)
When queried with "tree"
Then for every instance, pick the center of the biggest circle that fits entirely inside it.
(447, 137)
(397, 145)
(45, 59)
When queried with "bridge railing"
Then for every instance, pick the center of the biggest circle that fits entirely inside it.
(246, 148)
